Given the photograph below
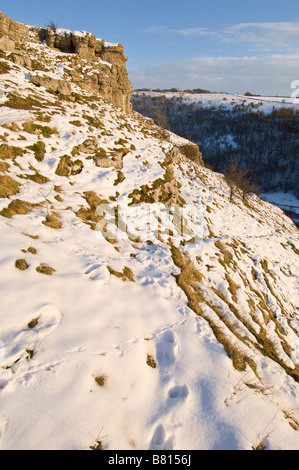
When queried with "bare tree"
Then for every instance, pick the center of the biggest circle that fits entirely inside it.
(52, 26)
(238, 180)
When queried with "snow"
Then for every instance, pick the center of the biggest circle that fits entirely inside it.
(92, 323)
(229, 100)
(65, 32)
(286, 201)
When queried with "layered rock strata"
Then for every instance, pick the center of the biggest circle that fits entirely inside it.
(98, 67)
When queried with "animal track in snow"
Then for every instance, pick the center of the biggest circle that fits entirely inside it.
(183, 310)
(178, 392)
(166, 349)
(159, 441)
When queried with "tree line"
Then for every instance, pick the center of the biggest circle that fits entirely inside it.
(265, 144)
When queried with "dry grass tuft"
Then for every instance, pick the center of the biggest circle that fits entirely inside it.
(151, 361)
(100, 380)
(17, 206)
(10, 152)
(53, 221)
(8, 186)
(126, 275)
(45, 269)
(21, 264)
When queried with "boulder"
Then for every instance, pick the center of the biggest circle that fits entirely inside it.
(21, 60)
(60, 87)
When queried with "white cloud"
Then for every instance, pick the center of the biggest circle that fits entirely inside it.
(263, 35)
(268, 36)
(194, 32)
(166, 30)
(271, 75)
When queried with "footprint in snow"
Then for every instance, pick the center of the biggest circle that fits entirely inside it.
(183, 310)
(159, 441)
(177, 393)
(166, 349)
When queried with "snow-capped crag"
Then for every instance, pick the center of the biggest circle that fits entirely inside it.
(93, 64)
(140, 307)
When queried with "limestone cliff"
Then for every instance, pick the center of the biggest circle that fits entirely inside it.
(95, 66)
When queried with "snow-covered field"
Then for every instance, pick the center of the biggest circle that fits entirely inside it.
(228, 100)
(123, 342)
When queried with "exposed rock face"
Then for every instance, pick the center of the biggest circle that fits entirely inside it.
(98, 67)
(59, 87)
(11, 32)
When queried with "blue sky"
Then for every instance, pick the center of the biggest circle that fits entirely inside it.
(233, 46)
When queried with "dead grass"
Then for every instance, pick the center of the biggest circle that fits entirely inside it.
(39, 150)
(32, 323)
(232, 287)
(11, 126)
(4, 67)
(88, 215)
(53, 221)
(16, 101)
(44, 268)
(21, 264)
(120, 178)
(151, 361)
(101, 380)
(126, 275)
(8, 186)
(17, 207)
(10, 152)
(4, 166)
(38, 178)
(226, 255)
(261, 445)
(33, 128)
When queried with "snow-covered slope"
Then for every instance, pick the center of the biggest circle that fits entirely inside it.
(170, 323)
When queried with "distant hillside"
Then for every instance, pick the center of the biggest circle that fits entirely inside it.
(261, 131)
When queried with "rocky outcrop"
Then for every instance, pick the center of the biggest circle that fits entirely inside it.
(98, 67)
(114, 160)
(19, 59)
(11, 32)
(107, 73)
(60, 87)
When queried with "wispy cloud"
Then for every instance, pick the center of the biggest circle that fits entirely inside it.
(166, 30)
(268, 36)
